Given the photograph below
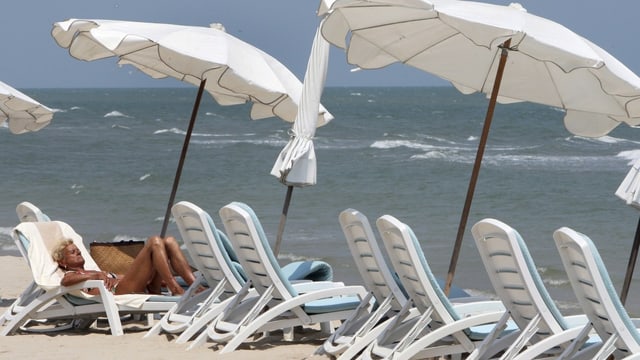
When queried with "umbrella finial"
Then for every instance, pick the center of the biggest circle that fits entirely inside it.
(217, 26)
(517, 6)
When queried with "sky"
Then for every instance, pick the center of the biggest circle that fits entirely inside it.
(282, 28)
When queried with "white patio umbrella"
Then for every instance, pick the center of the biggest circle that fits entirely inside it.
(296, 163)
(629, 191)
(22, 113)
(502, 51)
(231, 70)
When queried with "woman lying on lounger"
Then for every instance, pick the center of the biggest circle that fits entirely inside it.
(150, 270)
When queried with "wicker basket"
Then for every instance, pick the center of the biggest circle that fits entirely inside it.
(115, 257)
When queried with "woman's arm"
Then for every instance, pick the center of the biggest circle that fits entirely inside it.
(74, 277)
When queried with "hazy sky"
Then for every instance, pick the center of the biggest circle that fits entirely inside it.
(283, 28)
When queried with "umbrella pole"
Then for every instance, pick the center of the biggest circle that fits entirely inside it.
(283, 219)
(476, 166)
(631, 266)
(183, 154)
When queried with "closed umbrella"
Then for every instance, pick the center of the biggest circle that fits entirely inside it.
(296, 163)
(229, 69)
(629, 191)
(22, 113)
(502, 51)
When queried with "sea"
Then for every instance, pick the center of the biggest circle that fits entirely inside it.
(106, 165)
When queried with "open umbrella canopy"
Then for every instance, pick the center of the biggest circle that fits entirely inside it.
(461, 41)
(22, 113)
(231, 70)
(239, 72)
(502, 51)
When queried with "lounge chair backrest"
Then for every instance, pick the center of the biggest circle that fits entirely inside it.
(27, 212)
(515, 278)
(43, 237)
(407, 258)
(593, 288)
(254, 252)
(205, 244)
(375, 273)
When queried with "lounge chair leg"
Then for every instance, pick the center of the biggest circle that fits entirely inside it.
(287, 334)
(326, 328)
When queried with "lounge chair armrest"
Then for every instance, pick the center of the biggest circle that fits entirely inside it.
(479, 307)
(303, 287)
(84, 285)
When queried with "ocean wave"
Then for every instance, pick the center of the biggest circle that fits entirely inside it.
(182, 132)
(58, 110)
(124, 237)
(144, 177)
(631, 155)
(392, 144)
(294, 257)
(268, 142)
(116, 113)
(6, 240)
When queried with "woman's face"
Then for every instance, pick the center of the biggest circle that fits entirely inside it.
(72, 257)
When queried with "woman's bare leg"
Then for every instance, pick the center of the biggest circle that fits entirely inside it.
(177, 260)
(152, 261)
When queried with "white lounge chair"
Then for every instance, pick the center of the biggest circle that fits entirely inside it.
(441, 329)
(515, 279)
(209, 252)
(27, 212)
(383, 290)
(62, 302)
(218, 267)
(596, 294)
(280, 304)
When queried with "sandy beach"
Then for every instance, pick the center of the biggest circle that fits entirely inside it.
(97, 343)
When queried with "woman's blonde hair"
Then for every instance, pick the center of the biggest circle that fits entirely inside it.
(58, 251)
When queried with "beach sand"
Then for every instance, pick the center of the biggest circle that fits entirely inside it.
(97, 343)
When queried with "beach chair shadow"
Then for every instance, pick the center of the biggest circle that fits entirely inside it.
(441, 328)
(596, 294)
(280, 303)
(57, 302)
(543, 329)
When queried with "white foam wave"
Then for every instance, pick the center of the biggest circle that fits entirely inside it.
(172, 130)
(631, 155)
(144, 177)
(75, 108)
(430, 155)
(392, 144)
(556, 282)
(116, 113)
(182, 132)
(58, 111)
(294, 257)
(6, 241)
(124, 237)
(116, 126)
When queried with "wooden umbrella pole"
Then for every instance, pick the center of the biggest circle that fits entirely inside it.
(631, 266)
(183, 155)
(476, 166)
(283, 219)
